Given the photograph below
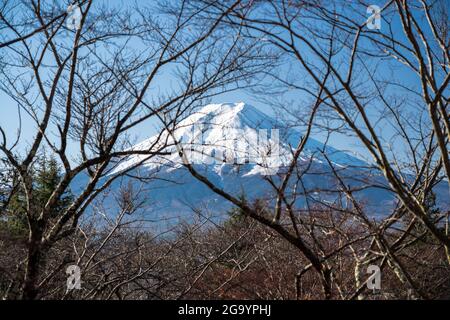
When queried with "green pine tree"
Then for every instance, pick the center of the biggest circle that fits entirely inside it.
(46, 175)
(433, 213)
(237, 217)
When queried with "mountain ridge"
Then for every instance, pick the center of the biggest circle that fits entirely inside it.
(173, 194)
(222, 121)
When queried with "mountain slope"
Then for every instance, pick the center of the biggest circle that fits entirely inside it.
(235, 130)
(236, 146)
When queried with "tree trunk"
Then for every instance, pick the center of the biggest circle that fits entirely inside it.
(30, 290)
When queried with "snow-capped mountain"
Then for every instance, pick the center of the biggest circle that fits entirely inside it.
(234, 133)
(236, 146)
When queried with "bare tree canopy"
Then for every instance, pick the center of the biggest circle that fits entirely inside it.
(80, 82)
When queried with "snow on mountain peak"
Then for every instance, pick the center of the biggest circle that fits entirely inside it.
(233, 133)
(234, 115)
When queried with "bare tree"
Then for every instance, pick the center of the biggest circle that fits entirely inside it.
(346, 71)
(84, 82)
(84, 79)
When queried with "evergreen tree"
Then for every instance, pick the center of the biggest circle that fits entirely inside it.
(237, 215)
(433, 213)
(46, 177)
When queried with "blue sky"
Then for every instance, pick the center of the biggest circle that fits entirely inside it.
(9, 116)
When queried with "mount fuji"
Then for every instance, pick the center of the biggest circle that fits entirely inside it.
(238, 147)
